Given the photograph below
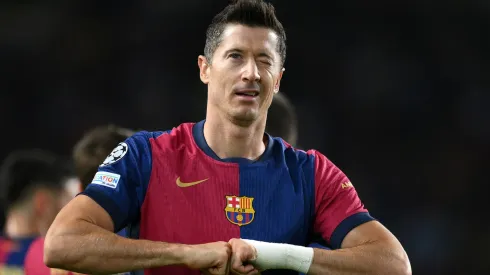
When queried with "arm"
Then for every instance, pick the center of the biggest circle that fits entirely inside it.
(81, 236)
(363, 245)
(366, 246)
(82, 233)
(368, 249)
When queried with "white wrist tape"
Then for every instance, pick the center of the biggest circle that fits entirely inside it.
(282, 256)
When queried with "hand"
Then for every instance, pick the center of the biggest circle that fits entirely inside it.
(241, 254)
(210, 258)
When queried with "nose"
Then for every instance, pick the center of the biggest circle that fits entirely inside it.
(251, 72)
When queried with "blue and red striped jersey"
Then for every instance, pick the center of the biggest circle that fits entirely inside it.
(13, 253)
(34, 263)
(170, 186)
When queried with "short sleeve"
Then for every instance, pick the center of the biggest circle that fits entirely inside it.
(122, 179)
(338, 208)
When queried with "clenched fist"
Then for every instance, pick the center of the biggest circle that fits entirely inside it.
(210, 258)
(242, 254)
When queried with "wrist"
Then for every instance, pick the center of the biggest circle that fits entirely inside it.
(175, 254)
(282, 256)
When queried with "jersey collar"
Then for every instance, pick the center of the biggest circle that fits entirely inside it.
(198, 134)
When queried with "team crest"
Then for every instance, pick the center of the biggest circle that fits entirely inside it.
(116, 154)
(239, 210)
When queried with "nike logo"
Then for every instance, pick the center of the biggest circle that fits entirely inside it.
(188, 184)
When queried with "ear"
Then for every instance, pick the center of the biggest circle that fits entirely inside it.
(203, 69)
(40, 202)
(277, 85)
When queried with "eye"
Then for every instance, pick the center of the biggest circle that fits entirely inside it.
(235, 55)
(266, 62)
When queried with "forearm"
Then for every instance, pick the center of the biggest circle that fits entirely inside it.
(84, 247)
(372, 258)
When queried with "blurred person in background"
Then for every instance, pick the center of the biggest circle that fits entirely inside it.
(282, 119)
(154, 179)
(94, 147)
(88, 153)
(2, 218)
(34, 185)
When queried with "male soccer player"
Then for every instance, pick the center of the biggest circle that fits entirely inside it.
(282, 120)
(220, 193)
(34, 185)
(88, 153)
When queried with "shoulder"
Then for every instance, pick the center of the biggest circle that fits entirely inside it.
(313, 163)
(142, 143)
(293, 155)
(172, 139)
(179, 133)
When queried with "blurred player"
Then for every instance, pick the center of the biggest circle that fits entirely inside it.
(192, 192)
(93, 148)
(34, 186)
(89, 152)
(2, 218)
(282, 120)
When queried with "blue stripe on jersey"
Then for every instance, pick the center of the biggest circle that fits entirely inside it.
(283, 196)
(18, 253)
(317, 245)
(123, 202)
(283, 190)
(346, 226)
(123, 233)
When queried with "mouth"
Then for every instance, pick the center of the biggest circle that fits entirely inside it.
(251, 93)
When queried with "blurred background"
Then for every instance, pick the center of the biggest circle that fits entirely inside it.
(396, 94)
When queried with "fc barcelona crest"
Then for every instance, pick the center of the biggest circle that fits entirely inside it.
(239, 210)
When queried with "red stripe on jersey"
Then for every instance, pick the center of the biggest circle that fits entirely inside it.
(194, 214)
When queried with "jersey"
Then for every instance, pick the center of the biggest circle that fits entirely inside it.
(34, 263)
(170, 186)
(12, 254)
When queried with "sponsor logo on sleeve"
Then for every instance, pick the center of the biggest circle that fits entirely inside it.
(346, 185)
(106, 179)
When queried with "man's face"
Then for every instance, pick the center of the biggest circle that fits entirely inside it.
(245, 72)
(61, 197)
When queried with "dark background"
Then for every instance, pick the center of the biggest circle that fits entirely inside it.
(396, 94)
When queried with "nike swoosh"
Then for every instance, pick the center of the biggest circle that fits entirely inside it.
(188, 184)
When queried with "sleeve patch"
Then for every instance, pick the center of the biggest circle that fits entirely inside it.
(106, 179)
(116, 154)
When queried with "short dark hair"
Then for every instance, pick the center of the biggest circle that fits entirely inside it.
(281, 119)
(252, 13)
(91, 150)
(25, 170)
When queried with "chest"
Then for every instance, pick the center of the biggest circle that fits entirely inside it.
(197, 200)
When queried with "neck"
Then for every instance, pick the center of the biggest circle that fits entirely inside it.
(230, 139)
(20, 225)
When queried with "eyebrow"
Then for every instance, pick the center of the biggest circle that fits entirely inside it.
(261, 54)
